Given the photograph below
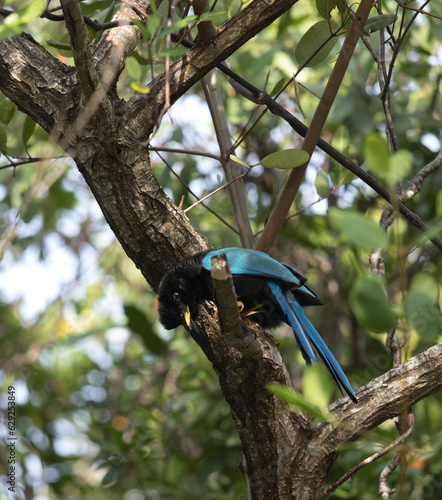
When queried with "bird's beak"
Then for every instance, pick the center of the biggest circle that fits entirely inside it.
(189, 321)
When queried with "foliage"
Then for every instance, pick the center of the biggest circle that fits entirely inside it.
(112, 406)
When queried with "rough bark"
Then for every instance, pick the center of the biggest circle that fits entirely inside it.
(285, 456)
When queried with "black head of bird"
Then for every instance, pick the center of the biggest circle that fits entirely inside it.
(180, 292)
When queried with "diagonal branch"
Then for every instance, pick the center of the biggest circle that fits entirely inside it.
(369, 460)
(84, 65)
(385, 396)
(189, 69)
(259, 96)
(291, 187)
(413, 188)
(117, 44)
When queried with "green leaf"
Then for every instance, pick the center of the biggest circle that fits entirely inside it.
(341, 139)
(3, 138)
(399, 165)
(340, 175)
(324, 7)
(370, 304)
(212, 16)
(294, 399)
(278, 87)
(322, 184)
(7, 111)
(317, 385)
(297, 96)
(287, 159)
(317, 43)
(174, 52)
(376, 23)
(438, 203)
(133, 68)
(16, 23)
(182, 23)
(59, 45)
(376, 154)
(28, 129)
(144, 27)
(139, 323)
(358, 229)
(389, 167)
(422, 305)
(31, 211)
(237, 160)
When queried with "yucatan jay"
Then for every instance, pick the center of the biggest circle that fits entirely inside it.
(273, 293)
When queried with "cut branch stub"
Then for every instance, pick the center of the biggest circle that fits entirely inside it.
(235, 331)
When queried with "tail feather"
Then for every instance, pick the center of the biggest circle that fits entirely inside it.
(308, 353)
(305, 333)
(325, 353)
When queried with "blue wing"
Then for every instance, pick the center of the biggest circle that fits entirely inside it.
(254, 263)
(305, 331)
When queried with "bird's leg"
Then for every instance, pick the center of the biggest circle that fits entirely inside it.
(241, 309)
(245, 313)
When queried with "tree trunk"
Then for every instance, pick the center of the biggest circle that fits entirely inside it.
(284, 455)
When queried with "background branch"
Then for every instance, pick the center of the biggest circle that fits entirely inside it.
(291, 187)
(190, 68)
(231, 169)
(84, 65)
(278, 110)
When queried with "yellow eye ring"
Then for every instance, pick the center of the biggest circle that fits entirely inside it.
(177, 297)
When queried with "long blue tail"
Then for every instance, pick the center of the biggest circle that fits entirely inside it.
(305, 333)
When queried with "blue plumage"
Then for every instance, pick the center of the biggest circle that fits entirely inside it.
(274, 291)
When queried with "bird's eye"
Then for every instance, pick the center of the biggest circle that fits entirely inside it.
(176, 296)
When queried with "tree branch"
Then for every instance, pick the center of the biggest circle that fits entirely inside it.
(84, 65)
(376, 456)
(206, 29)
(117, 44)
(413, 188)
(385, 396)
(384, 490)
(190, 68)
(291, 187)
(231, 169)
(236, 333)
(259, 96)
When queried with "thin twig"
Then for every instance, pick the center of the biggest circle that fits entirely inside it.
(278, 110)
(413, 188)
(18, 161)
(384, 490)
(184, 152)
(227, 184)
(376, 456)
(195, 196)
(235, 331)
(419, 11)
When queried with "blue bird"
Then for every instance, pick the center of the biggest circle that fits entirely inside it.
(270, 291)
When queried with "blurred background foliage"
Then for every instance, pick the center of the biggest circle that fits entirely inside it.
(111, 406)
